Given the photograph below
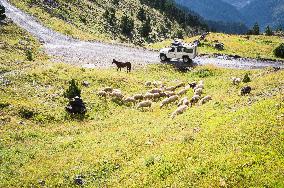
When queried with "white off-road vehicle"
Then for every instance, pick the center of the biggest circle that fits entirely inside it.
(186, 52)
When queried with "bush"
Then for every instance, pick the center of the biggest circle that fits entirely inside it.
(246, 78)
(73, 90)
(146, 28)
(2, 13)
(268, 31)
(26, 113)
(279, 51)
(29, 55)
(203, 73)
(127, 25)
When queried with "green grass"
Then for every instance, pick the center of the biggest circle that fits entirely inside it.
(233, 141)
(255, 47)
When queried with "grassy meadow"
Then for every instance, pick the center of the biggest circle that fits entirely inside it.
(252, 46)
(232, 141)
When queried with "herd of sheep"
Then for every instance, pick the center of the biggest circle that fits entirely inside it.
(164, 95)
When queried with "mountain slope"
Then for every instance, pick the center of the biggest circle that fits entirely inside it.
(238, 3)
(112, 20)
(215, 10)
(265, 12)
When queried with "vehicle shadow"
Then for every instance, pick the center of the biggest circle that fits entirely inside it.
(180, 65)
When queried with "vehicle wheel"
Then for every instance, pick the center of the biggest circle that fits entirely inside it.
(163, 57)
(186, 59)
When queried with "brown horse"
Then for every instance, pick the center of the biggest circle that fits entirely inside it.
(122, 65)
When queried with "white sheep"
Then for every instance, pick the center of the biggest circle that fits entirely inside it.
(149, 96)
(182, 84)
(116, 94)
(169, 100)
(156, 96)
(170, 93)
(179, 110)
(171, 88)
(194, 99)
(181, 102)
(144, 104)
(129, 100)
(102, 93)
(157, 83)
(198, 91)
(205, 100)
(236, 81)
(199, 86)
(183, 91)
(138, 97)
(155, 90)
(108, 89)
(116, 91)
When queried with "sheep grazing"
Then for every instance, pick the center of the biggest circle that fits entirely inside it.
(198, 91)
(179, 110)
(148, 84)
(192, 85)
(199, 86)
(194, 100)
(117, 95)
(138, 97)
(116, 91)
(246, 90)
(170, 93)
(157, 83)
(144, 104)
(156, 96)
(163, 94)
(171, 88)
(102, 93)
(108, 89)
(169, 100)
(236, 81)
(183, 101)
(129, 100)
(182, 92)
(180, 85)
(155, 90)
(205, 100)
(149, 96)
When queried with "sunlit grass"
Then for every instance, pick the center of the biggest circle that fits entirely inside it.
(233, 141)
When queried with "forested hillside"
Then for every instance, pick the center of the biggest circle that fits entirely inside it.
(131, 21)
(265, 12)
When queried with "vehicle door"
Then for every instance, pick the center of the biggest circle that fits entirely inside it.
(172, 53)
(179, 53)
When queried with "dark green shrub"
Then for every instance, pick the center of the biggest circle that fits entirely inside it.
(73, 90)
(146, 28)
(203, 73)
(246, 78)
(26, 113)
(29, 55)
(142, 15)
(127, 25)
(268, 31)
(279, 51)
(4, 105)
(2, 13)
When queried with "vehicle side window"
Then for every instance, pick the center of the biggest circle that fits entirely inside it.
(179, 49)
(186, 50)
(172, 50)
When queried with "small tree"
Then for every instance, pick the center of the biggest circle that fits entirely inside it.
(146, 28)
(110, 17)
(268, 31)
(2, 13)
(127, 25)
(255, 29)
(73, 90)
(141, 15)
(246, 78)
(279, 51)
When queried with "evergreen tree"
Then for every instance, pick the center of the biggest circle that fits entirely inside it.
(141, 15)
(146, 28)
(73, 90)
(127, 25)
(255, 29)
(109, 16)
(2, 13)
(268, 31)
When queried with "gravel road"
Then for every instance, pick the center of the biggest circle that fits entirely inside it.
(96, 54)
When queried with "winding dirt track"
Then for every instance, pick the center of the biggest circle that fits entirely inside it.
(96, 54)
